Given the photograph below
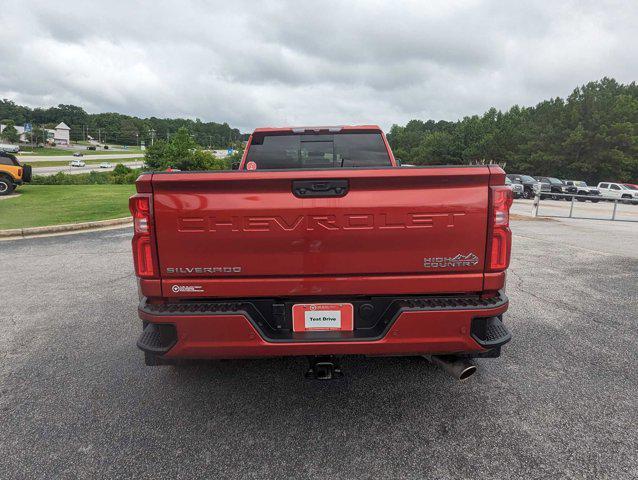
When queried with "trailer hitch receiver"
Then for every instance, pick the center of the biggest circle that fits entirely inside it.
(323, 368)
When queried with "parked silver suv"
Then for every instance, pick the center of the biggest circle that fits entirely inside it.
(517, 188)
(530, 184)
(584, 189)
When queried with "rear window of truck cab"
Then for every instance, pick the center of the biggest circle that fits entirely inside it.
(311, 150)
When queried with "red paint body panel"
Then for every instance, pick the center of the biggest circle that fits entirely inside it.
(413, 333)
(494, 281)
(326, 285)
(250, 222)
(150, 288)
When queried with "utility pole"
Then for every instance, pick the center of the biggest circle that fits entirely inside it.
(152, 132)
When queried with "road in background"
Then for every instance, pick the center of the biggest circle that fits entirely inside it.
(46, 171)
(77, 401)
(58, 158)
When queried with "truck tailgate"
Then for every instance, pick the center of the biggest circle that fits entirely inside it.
(396, 230)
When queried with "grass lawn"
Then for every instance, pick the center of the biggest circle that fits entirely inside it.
(53, 152)
(57, 204)
(62, 163)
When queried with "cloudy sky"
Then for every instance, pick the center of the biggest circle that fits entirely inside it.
(299, 62)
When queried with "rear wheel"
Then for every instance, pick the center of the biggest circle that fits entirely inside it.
(528, 194)
(6, 186)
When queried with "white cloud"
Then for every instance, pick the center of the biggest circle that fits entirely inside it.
(290, 62)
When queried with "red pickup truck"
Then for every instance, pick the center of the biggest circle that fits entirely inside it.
(320, 245)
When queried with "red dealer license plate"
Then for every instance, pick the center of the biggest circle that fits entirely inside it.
(322, 316)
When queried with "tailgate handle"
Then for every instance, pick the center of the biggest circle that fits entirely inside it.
(319, 188)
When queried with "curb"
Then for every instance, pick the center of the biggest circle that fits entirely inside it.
(9, 197)
(71, 227)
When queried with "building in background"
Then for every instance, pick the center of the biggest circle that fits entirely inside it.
(222, 153)
(60, 135)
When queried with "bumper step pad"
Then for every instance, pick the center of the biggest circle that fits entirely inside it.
(157, 339)
(490, 332)
(460, 302)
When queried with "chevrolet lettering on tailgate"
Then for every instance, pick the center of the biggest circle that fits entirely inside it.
(357, 221)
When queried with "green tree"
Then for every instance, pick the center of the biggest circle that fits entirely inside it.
(155, 155)
(37, 135)
(10, 134)
(118, 128)
(233, 160)
(181, 152)
(591, 135)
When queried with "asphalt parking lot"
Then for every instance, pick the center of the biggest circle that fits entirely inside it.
(76, 400)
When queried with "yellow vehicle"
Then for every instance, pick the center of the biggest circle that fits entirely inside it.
(12, 173)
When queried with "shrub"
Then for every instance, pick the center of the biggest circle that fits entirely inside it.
(132, 176)
(121, 169)
(91, 178)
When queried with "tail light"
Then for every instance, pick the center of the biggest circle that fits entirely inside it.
(143, 243)
(500, 236)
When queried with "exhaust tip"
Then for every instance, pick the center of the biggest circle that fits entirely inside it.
(467, 372)
(459, 368)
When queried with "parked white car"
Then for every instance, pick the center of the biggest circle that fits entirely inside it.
(77, 163)
(5, 147)
(617, 191)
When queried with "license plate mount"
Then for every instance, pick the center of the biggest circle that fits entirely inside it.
(313, 317)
